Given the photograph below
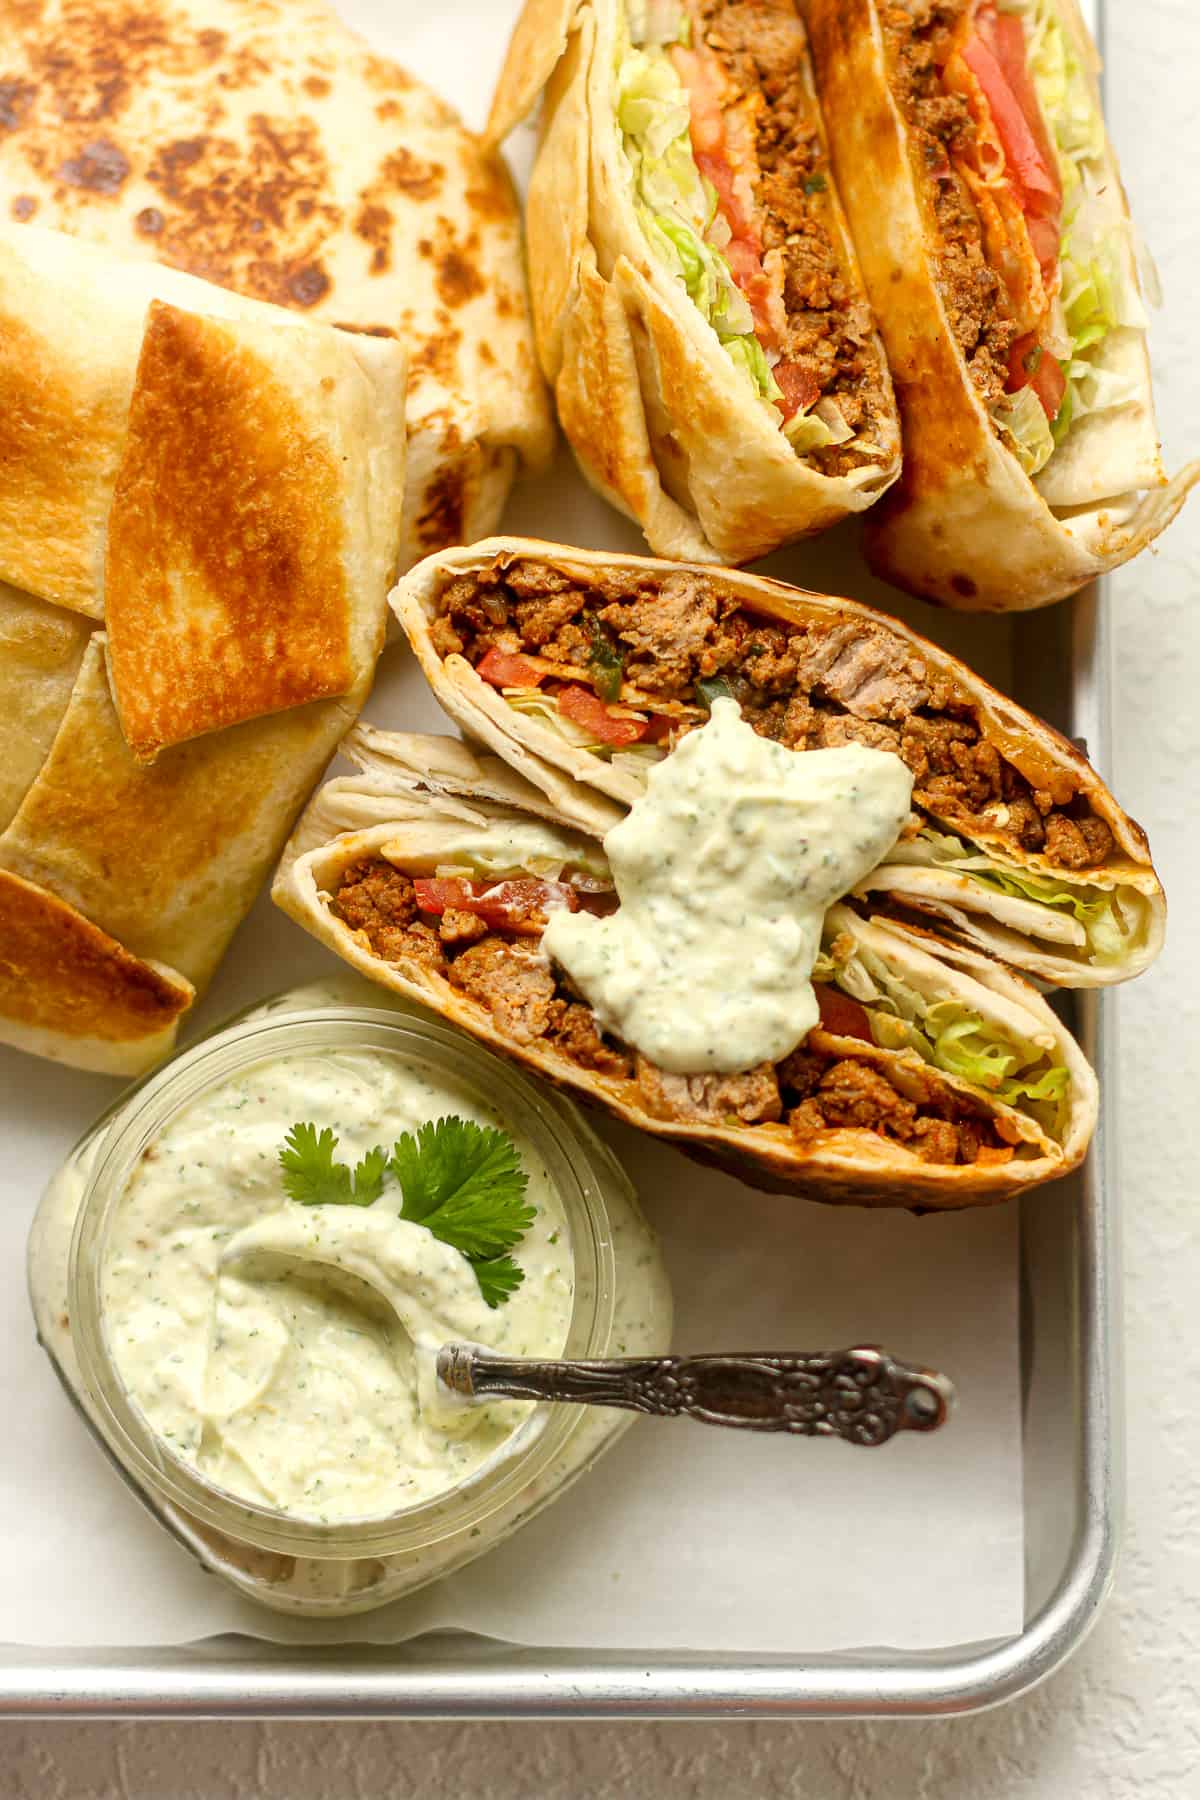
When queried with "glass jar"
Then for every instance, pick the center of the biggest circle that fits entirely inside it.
(621, 1306)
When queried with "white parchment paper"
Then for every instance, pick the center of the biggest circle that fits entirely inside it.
(684, 1537)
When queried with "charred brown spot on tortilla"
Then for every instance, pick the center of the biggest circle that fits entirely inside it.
(808, 686)
(316, 85)
(441, 519)
(24, 206)
(818, 1088)
(16, 98)
(252, 215)
(918, 36)
(456, 266)
(437, 357)
(829, 330)
(99, 166)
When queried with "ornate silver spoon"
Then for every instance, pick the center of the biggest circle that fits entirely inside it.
(862, 1395)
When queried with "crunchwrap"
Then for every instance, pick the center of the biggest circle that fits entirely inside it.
(262, 146)
(698, 307)
(583, 666)
(998, 251)
(220, 484)
(420, 877)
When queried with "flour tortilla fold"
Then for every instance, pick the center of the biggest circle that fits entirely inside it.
(1034, 938)
(121, 883)
(427, 828)
(262, 146)
(662, 422)
(965, 525)
(218, 480)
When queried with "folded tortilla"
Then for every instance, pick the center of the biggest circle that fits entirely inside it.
(939, 1138)
(262, 146)
(672, 375)
(121, 883)
(218, 480)
(966, 525)
(1017, 848)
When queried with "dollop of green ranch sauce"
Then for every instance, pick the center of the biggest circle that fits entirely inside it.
(286, 1352)
(725, 869)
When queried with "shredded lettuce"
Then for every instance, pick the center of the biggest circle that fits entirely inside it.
(676, 207)
(1021, 418)
(1096, 909)
(635, 759)
(545, 709)
(1099, 295)
(948, 1034)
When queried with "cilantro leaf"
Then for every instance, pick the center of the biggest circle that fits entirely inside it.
(368, 1176)
(311, 1175)
(465, 1183)
(498, 1277)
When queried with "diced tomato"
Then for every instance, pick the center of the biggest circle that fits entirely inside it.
(519, 905)
(716, 167)
(1031, 169)
(1044, 236)
(588, 710)
(841, 1015)
(1030, 364)
(799, 388)
(504, 669)
(658, 728)
(700, 73)
(745, 263)
(1004, 35)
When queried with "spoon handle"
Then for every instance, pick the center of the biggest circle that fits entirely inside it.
(862, 1395)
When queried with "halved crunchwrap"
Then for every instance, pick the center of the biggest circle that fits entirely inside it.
(1000, 258)
(263, 146)
(583, 666)
(697, 303)
(934, 1078)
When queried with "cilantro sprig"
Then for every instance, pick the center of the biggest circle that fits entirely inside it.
(464, 1182)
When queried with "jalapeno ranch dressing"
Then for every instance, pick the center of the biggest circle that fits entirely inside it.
(725, 869)
(286, 1352)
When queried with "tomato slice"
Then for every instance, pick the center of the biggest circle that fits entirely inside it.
(1030, 364)
(659, 728)
(798, 387)
(1044, 236)
(1039, 184)
(505, 669)
(589, 711)
(1005, 37)
(520, 905)
(841, 1015)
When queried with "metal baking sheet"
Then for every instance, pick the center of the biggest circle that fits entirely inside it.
(1058, 662)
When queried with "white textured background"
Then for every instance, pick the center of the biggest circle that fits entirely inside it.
(1123, 1719)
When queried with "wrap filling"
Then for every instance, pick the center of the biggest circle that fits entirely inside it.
(1034, 256)
(720, 129)
(931, 1075)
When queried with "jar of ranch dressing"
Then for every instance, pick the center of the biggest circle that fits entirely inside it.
(261, 1369)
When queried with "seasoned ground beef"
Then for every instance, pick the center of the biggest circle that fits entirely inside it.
(512, 980)
(808, 686)
(841, 1093)
(530, 1003)
(747, 1099)
(761, 46)
(918, 35)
